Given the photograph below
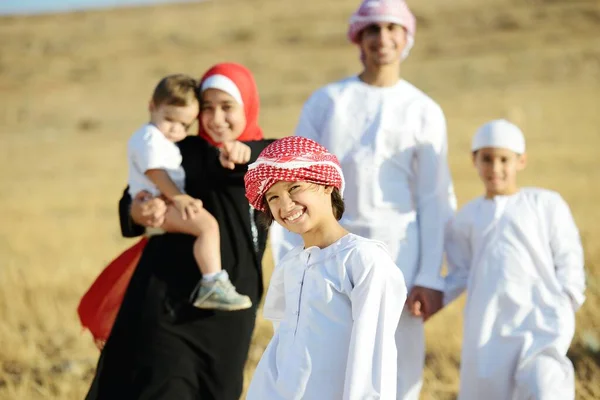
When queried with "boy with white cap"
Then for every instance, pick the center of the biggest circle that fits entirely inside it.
(391, 141)
(518, 254)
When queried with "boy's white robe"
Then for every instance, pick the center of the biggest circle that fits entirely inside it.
(336, 311)
(521, 261)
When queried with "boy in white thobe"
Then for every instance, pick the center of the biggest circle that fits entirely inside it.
(335, 299)
(518, 254)
(391, 141)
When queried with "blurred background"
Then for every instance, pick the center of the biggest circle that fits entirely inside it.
(74, 86)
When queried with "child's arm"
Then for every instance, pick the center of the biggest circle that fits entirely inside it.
(458, 257)
(567, 253)
(185, 204)
(160, 178)
(377, 297)
(147, 154)
(274, 306)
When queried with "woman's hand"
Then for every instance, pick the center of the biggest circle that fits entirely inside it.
(147, 210)
(187, 206)
(234, 153)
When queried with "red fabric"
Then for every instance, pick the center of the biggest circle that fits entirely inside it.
(291, 159)
(99, 306)
(245, 83)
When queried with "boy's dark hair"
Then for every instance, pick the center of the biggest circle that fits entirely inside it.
(337, 205)
(176, 90)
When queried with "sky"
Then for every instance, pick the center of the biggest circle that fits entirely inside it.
(15, 7)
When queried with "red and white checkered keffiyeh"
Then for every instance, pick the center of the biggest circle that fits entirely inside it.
(392, 11)
(291, 159)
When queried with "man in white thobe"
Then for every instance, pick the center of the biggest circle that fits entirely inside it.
(391, 141)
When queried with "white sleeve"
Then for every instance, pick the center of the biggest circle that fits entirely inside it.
(435, 197)
(148, 152)
(311, 117)
(282, 241)
(458, 256)
(567, 252)
(377, 298)
(274, 307)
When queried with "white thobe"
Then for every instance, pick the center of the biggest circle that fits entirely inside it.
(521, 261)
(336, 311)
(392, 146)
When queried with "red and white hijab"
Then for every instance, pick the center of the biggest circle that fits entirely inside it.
(291, 159)
(238, 82)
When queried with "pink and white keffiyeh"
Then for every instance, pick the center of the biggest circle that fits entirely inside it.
(392, 11)
(291, 159)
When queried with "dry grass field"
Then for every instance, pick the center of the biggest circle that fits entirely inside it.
(74, 86)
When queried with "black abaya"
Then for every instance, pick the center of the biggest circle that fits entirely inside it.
(161, 347)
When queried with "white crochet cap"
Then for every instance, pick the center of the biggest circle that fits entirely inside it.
(500, 134)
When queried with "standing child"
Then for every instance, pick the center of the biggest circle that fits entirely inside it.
(518, 254)
(155, 167)
(335, 300)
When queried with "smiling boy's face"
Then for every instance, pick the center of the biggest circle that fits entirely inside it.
(382, 43)
(300, 207)
(497, 168)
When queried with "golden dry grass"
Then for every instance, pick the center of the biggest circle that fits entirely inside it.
(74, 87)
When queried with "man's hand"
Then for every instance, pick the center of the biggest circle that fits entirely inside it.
(148, 211)
(424, 302)
(186, 205)
(234, 153)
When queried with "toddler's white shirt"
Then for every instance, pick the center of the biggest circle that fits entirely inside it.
(148, 148)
